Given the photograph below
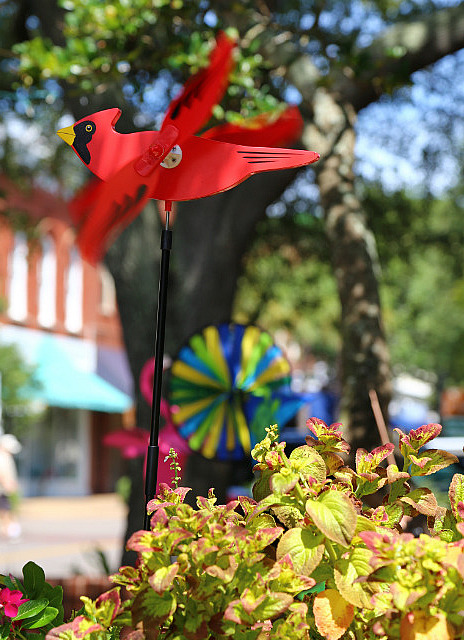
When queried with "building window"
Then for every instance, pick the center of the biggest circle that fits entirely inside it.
(47, 284)
(74, 293)
(108, 292)
(56, 453)
(17, 309)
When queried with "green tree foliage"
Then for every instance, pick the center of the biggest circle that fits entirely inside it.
(18, 383)
(420, 245)
(123, 44)
(288, 283)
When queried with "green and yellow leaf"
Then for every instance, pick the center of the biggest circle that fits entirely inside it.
(334, 514)
(309, 462)
(347, 569)
(456, 496)
(422, 500)
(431, 461)
(420, 625)
(304, 547)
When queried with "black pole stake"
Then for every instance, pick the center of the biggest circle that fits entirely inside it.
(153, 448)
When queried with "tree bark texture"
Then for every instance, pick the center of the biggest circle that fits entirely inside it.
(211, 236)
(364, 359)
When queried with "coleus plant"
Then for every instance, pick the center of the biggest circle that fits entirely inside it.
(202, 573)
(308, 558)
(373, 581)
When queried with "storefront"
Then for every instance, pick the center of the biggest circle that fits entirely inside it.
(75, 407)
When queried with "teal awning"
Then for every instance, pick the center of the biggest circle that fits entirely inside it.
(64, 385)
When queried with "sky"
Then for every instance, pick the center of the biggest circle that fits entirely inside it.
(426, 118)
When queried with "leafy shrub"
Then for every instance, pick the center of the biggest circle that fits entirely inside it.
(308, 557)
(201, 573)
(30, 608)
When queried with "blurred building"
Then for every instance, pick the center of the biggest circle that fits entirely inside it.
(61, 313)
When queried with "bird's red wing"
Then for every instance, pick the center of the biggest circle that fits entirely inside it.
(106, 209)
(263, 130)
(210, 167)
(83, 200)
(192, 109)
(115, 205)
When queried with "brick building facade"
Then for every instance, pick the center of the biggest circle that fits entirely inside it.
(61, 313)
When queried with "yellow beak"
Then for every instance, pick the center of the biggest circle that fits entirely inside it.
(67, 134)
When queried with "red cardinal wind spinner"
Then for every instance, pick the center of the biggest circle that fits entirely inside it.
(172, 164)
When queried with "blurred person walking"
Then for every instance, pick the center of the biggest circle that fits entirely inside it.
(9, 446)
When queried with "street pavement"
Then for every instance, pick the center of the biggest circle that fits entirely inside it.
(62, 535)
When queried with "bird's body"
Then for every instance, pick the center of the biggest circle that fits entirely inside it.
(206, 166)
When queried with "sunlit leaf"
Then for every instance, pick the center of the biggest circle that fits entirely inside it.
(283, 481)
(334, 514)
(422, 500)
(456, 495)
(430, 461)
(333, 615)
(304, 547)
(421, 625)
(308, 461)
(347, 570)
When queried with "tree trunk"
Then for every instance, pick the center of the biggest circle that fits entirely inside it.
(365, 361)
(211, 237)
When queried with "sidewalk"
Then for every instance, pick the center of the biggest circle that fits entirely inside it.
(62, 535)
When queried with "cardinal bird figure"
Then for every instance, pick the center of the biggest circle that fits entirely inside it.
(171, 164)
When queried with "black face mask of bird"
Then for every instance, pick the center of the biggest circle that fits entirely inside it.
(79, 136)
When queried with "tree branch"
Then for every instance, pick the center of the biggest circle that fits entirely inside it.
(402, 49)
(383, 66)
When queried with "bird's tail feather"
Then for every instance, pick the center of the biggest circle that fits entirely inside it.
(263, 158)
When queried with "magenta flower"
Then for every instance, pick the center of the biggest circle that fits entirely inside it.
(10, 602)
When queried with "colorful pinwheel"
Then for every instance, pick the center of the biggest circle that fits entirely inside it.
(230, 382)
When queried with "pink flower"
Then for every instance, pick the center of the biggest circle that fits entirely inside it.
(10, 602)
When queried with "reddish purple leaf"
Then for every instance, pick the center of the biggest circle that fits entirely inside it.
(425, 433)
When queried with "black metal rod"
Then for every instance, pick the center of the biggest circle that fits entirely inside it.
(153, 448)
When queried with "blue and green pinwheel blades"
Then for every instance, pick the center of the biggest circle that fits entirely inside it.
(222, 382)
